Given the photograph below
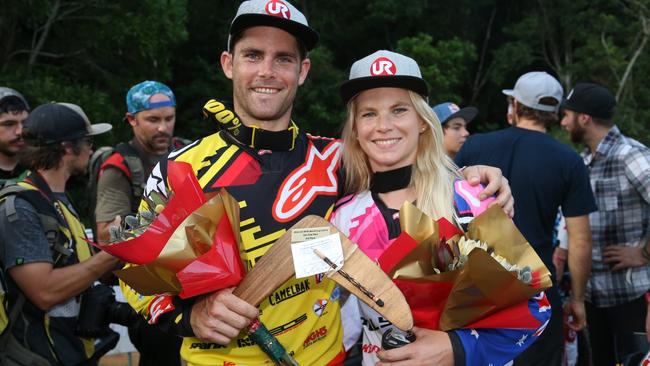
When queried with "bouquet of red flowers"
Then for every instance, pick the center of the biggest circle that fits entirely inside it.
(479, 279)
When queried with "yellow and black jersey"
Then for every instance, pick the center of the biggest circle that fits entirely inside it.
(274, 189)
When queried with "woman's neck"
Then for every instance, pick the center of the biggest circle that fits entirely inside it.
(395, 199)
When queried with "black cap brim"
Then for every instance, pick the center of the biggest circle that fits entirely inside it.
(306, 35)
(467, 114)
(353, 87)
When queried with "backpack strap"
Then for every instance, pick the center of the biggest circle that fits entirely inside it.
(134, 164)
(50, 219)
(13, 315)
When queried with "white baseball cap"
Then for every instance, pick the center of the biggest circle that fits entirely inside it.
(532, 87)
(384, 69)
(274, 13)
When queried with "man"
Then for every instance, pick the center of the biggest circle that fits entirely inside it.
(13, 112)
(48, 267)
(619, 169)
(151, 112)
(454, 122)
(522, 152)
(279, 174)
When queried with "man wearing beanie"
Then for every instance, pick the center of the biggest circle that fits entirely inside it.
(619, 169)
(278, 174)
(46, 261)
(522, 152)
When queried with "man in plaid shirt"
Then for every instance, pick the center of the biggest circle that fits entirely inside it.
(620, 178)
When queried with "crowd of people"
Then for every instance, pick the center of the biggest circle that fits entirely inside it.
(396, 146)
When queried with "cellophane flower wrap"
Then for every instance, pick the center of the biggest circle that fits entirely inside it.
(190, 248)
(473, 290)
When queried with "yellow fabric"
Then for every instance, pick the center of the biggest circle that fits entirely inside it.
(291, 313)
(75, 230)
(4, 319)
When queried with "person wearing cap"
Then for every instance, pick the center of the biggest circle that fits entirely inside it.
(619, 169)
(394, 152)
(279, 174)
(151, 112)
(454, 122)
(44, 267)
(522, 152)
(13, 112)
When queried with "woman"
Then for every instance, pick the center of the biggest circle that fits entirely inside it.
(393, 152)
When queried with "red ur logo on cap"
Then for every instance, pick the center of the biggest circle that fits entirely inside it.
(278, 9)
(383, 67)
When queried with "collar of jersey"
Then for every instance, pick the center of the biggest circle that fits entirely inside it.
(257, 138)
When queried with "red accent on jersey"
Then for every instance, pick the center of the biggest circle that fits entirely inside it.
(243, 171)
(160, 305)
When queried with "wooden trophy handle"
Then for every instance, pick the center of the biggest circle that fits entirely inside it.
(276, 265)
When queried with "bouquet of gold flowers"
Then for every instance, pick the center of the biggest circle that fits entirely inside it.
(188, 247)
(479, 279)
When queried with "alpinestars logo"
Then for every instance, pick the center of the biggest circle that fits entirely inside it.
(159, 306)
(317, 176)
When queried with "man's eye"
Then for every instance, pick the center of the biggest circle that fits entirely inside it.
(285, 60)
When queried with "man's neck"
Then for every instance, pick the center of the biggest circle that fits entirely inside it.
(55, 178)
(279, 124)
(593, 137)
(8, 163)
(529, 124)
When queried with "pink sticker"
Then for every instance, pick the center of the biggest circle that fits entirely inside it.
(470, 195)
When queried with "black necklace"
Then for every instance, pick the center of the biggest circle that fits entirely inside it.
(391, 180)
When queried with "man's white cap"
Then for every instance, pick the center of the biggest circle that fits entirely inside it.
(273, 13)
(532, 87)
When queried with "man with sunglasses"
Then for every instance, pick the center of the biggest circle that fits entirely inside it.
(46, 261)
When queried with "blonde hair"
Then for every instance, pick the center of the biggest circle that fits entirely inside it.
(433, 172)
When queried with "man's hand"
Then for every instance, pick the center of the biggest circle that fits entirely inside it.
(431, 347)
(495, 183)
(623, 257)
(559, 260)
(575, 309)
(220, 316)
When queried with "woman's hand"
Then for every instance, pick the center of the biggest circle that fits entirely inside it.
(495, 183)
(431, 347)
